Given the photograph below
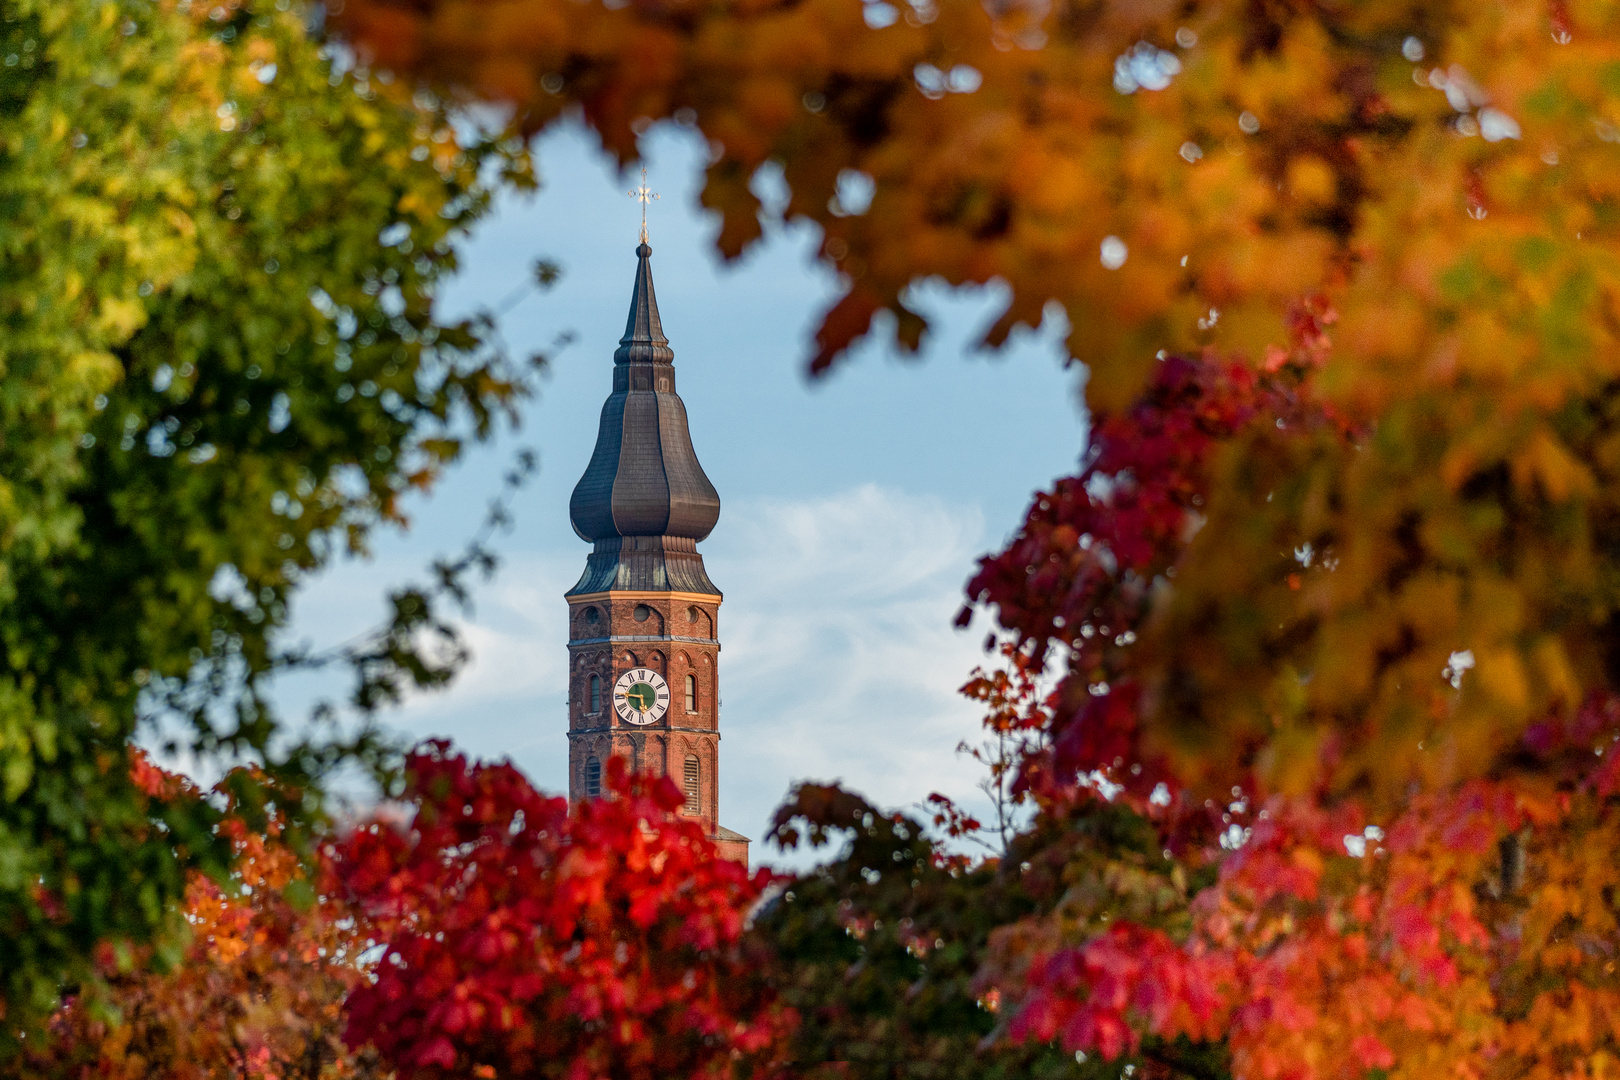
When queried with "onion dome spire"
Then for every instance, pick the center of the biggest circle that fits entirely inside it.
(644, 500)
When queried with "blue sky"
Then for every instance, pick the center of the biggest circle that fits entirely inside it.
(852, 507)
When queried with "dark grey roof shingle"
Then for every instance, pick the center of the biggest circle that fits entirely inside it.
(644, 480)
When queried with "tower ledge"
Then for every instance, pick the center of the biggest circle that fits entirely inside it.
(645, 564)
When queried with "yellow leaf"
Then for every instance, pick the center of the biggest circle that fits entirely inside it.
(1502, 674)
(1546, 462)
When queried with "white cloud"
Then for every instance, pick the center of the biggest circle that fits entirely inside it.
(838, 662)
(511, 699)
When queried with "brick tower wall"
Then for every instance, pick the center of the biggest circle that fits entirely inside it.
(676, 636)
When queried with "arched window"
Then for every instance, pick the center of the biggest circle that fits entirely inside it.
(596, 693)
(593, 777)
(694, 774)
(691, 693)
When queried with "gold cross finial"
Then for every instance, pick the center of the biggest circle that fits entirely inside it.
(644, 195)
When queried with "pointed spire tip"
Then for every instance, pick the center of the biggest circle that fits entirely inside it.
(644, 339)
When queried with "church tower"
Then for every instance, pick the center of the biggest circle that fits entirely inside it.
(644, 647)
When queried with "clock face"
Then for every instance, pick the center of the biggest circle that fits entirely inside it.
(641, 696)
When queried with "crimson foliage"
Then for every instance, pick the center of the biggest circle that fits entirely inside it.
(522, 939)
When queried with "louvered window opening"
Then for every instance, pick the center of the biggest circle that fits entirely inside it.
(694, 800)
(593, 777)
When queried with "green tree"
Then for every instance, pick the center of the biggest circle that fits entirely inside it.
(219, 369)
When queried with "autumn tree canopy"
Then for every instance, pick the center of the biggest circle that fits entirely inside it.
(523, 938)
(257, 991)
(1326, 785)
(1334, 596)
